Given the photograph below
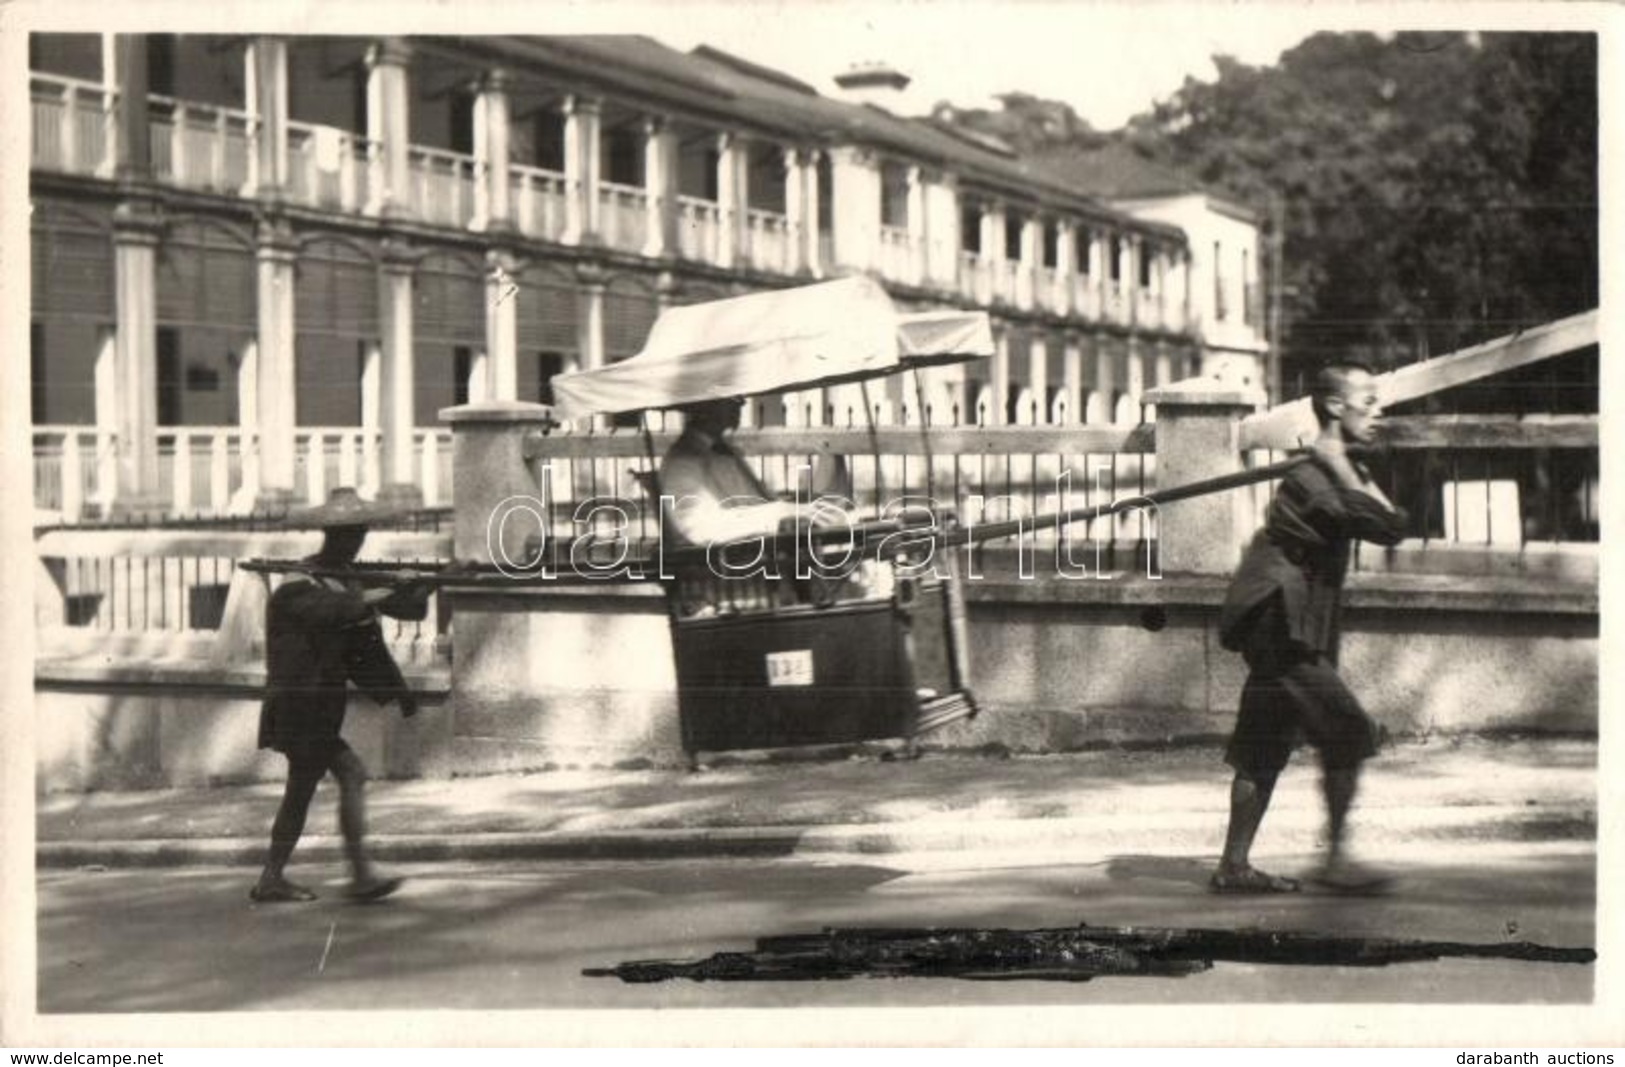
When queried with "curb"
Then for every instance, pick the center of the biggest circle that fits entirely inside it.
(1109, 834)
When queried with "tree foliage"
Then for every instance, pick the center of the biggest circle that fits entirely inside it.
(1434, 189)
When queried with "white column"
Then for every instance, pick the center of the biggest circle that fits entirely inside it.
(660, 183)
(795, 209)
(397, 376)
(730, 199)
(999, 370)
(993, 249)
(919, 226)
(591, 322)
(814, 210)
(135, 239)
(1072, 370)
(501, 327)
(582, 116)
(856, 207)
(275, 389)
(1066, 266)
(1032, 248)
(491, 135)
(1038, 373)
(372, 409)
(387, 123)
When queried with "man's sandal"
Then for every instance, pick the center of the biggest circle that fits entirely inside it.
(280, 893)
(1251, 881)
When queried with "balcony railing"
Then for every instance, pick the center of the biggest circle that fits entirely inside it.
(975, 278)
(1085, 296)
(1116, 304)
(897, 257)
(699, 225)
(769, 236)
(539, 201)
(1148, 309)
(333, 168)
(443, 185)
(201, 146)
(74, 126)
(74, 467)
(625, 218)
(1005, 284)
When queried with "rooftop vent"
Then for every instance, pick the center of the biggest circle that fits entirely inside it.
(879, 84)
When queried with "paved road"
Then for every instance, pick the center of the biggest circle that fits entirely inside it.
(518, 936)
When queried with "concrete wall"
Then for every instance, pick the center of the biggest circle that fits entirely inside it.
(573, 676)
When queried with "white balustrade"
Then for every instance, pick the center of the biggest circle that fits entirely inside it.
(1086, 296)
(332, 168)
(699, 223)
(625, 211)
(539, 201)
(443, 185)
(897, 258)
(200, 146)
(73, 124)
(1004, 280)
(975, 278)
(769, 234)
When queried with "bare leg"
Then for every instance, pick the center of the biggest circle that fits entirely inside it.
(273, 885)
(352, 778)
(1340, 873)
(365, 884)
(1339, 785)
(1249, 800)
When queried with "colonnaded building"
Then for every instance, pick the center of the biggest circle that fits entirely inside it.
(270, 275)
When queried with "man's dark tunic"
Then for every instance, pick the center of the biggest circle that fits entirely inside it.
(1281, 612)
(319, 635)
(1302, 554)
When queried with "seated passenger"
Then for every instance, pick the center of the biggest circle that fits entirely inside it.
(716, 496)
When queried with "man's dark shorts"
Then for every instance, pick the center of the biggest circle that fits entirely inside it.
(1291, 694)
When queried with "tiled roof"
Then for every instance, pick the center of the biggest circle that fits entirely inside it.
(1118, 172)
(715, 83)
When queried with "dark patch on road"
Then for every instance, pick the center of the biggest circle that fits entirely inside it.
(1072, 954)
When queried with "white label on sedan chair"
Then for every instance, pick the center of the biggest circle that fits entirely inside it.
(790, 668)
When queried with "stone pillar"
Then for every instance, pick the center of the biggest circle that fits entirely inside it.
(501, 326)
(1133, 249)
(1038, 374)
(136, 227)
(491, 135)
(590, 320)
(1032, 258)
(276, 391)
(266, 95)
(1072, 363)
(856, 207)
(489, 467)
(1198, 437)
(387, 124)
(660, 182)
(134, 131)
(397, 387)
(730, 200)
(582, 116)
(814, 253)
(1066, 267)
(919, 225)
(795, 209)
(999, 371)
